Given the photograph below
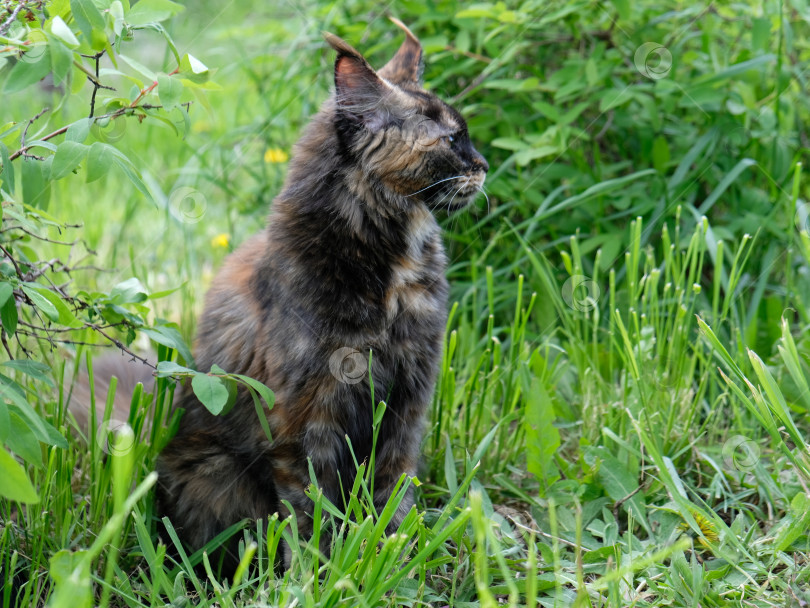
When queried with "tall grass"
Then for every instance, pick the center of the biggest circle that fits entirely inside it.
(623, 406)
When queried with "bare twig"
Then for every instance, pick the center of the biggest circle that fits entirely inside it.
(13, 17)
(469, 54)
(63, 330)
(7, 253)
(621, 501)
(150, 88)
(92, 78)
(5, 343)
(28, 126)
(119, 344)
(96, 84)
(128, 111)
(25, 351)
(40, 238)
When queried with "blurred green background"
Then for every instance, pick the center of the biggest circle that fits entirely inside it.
(628, 357)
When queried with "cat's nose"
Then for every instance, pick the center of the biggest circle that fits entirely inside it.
(480, 162)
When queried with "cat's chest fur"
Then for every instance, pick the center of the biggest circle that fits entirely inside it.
(417, 282)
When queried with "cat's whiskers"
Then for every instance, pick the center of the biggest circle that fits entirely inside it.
(464, 185)
(438, 204)
(483, 191)
(446, 179)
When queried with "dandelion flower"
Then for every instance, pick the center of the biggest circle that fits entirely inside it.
(221, 241)
(276, 155)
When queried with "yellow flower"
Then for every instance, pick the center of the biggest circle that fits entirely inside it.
(221, 240)
(707, 529)
(276, 155)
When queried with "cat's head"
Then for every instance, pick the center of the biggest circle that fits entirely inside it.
(401, 135)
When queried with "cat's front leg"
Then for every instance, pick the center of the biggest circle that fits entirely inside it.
(292, 477)
(396, 457)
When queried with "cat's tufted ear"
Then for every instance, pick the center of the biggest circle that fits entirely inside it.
(359, 90)
(406, 65)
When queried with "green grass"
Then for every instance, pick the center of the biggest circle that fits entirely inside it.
(623, 408)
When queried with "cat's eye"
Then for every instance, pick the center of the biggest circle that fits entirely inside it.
(449, 139)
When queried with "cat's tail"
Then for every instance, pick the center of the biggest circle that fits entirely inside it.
(128, 372)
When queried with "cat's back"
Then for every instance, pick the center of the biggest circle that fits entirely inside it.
(233, 316)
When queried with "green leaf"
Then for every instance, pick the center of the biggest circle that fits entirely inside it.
(660, 153)
(73, 584)
(61, 61)
(261, 414)
(35, 369)
(513, 85)
(266, 394)
(14, 483)
(6, 293)
(450, 467)
(79, 130)
(15, 396)
(193, 69)
(169, 91)
(8, 169)
(8, 309)
(623, 8)
(776, 400)
(22, 441)
(476, 11)
(613, 98)
(795, 524)
(735, 70)
(68, 156)
(117, 12)
(510, 143)
(138, 67)
(166, 369)
(87, 17)
(619, 484)
(152, 11)
(524, 157)
(41, 302)
(36, 186)
(61, 30)
(98, 161)
(65, 316)
(24, 73)
(169, 336)
(542, 437)
(129, 170)
(727, 180)
(130, 291)
(211, 391)
(5, 417)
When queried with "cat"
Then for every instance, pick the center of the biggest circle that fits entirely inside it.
(351, 264)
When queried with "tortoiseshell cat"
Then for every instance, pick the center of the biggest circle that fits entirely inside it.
(351, 262)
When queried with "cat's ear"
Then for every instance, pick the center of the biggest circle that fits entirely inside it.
(359, 90)
(406, 65)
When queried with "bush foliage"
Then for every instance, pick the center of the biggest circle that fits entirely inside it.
(624, 401)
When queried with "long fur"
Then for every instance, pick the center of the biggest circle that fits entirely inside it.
(350, 264)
